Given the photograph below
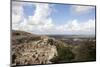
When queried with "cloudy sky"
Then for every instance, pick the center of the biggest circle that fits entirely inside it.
(43, 18)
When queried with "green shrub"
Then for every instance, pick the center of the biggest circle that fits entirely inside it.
(64, 54)
(86, 51)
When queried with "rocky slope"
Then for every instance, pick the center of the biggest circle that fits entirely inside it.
(30, 49)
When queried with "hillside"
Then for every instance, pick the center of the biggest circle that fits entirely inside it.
(29, 49)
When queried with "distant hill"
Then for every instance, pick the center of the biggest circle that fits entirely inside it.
(71, 36)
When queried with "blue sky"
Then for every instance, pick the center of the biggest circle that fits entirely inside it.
(62, 13)
(28, 10)
(55, 18)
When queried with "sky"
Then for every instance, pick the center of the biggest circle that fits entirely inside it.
(50, 18)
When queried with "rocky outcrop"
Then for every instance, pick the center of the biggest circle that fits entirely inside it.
(28, 49)
(31, 49)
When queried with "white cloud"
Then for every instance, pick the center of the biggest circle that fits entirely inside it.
(17, 14)
(18, 20)
(41, 15)
(81, 9)
(73, 25)
(38, 23)
(41, 18)
(42, 23)
(87, 27)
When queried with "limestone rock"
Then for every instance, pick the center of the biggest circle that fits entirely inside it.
(31, 49)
